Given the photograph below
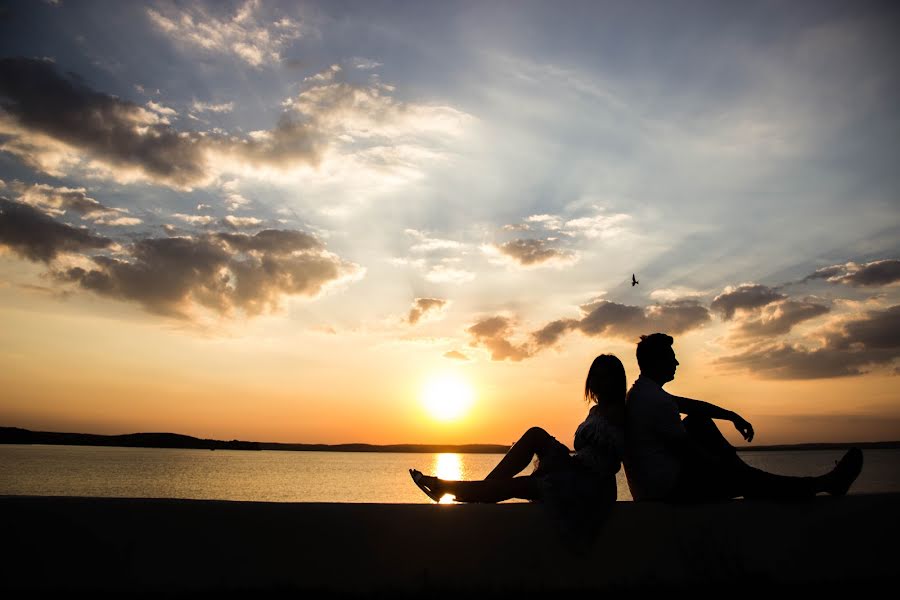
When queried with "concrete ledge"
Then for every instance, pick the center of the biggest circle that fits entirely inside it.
(194, 546)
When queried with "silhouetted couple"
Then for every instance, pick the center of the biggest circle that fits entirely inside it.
(666, 457)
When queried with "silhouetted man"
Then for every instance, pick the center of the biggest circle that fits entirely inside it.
(689, 460)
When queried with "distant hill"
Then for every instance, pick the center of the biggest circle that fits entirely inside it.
(16, 435)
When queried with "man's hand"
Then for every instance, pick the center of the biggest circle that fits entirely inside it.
(745, 428)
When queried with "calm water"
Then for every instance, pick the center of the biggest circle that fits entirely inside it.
(312, 476)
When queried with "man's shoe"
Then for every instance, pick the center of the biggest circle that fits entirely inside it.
(845, 472)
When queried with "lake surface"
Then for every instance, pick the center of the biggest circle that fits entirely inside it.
(276, 476)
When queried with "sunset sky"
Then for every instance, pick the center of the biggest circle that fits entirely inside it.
(300, 222)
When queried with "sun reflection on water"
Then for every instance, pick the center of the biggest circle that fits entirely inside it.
(448, 466)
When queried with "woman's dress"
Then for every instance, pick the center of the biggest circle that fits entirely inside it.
(587, 477)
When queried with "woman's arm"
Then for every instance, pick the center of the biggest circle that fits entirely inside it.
(690, 406)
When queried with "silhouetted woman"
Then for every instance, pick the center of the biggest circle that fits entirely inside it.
(588, 475)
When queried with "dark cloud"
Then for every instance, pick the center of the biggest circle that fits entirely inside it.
(531, 252)
(550, 333)
(38, 99)
(39, 102)
(779, 317)
(630, 322)
(744, 297)
(879, 330)
(493, 333)
(455, 355)
(604, 318)
(851, 349)
(875, 273)
(35, 236)
(271, 241)
(599, 318)
(172, 276)
(423, 306)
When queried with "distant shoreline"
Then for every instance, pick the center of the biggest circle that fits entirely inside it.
(17, 435)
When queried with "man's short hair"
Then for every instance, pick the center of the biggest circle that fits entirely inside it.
(651, 348)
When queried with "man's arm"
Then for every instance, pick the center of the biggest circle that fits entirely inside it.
(700, 408)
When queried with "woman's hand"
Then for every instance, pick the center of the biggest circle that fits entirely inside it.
(743, 426)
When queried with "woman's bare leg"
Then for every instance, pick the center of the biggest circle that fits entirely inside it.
(486, 490)
(534, 441)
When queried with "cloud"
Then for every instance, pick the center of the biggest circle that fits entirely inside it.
(367, 112)
(194, 219)
(223, 107)
(59, 200)
(219, 272)
(455, 355)
(224, 272)
(600, 226)
(675, 293)
(159, 109)
(603, 318)
(493, 333)
(35, 236)
(326, 75)
(111, 220)
(444, 274)
(241, 35)
(531, 253)
(550, 333)
(45, 118)
(875, 273)
(241, 222)
(271, 241)
(747, 296)
(591, 227)
(365, 64)
(850, 348)
(779, 317)
(57, 124)
(424, 306)
(551, 222)
(425, 244)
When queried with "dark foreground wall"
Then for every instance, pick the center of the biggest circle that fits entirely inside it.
(194, 547)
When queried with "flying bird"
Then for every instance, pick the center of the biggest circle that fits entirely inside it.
(634, 281)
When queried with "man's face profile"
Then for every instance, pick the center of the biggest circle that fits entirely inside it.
(667, 364)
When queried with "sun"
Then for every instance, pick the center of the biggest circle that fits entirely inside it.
(447, 397)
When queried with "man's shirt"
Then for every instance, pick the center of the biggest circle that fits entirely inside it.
(653, 434)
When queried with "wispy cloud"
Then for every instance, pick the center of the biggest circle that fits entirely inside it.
(455, 355)
(222, 107)
(242, 35)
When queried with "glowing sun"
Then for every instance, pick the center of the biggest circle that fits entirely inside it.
(447, 397)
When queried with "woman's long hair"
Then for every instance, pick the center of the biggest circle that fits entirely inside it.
(605, 386)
